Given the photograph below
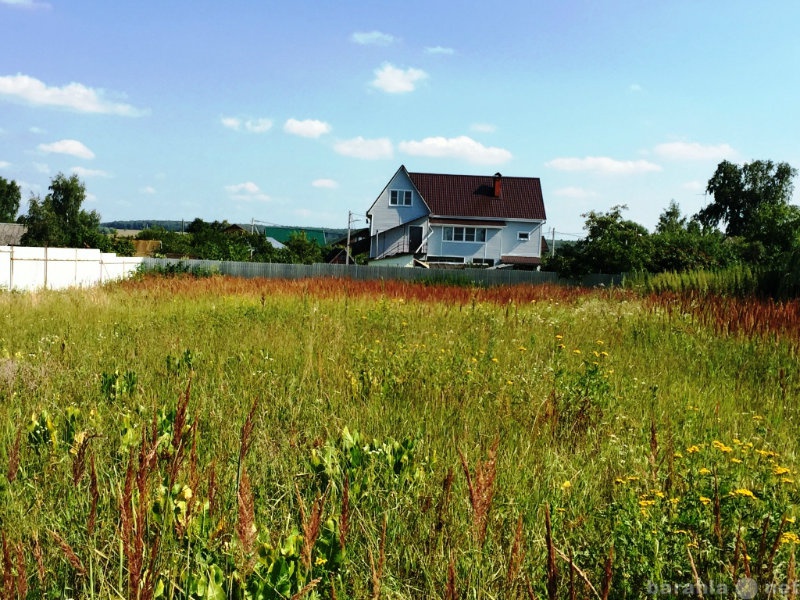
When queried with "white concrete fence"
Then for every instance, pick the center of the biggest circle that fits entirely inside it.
(24, 268)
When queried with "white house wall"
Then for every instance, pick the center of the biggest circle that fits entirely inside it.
(383, 216)
(514, 247)
(499, 242)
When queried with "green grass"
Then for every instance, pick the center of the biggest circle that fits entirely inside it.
(595, 399)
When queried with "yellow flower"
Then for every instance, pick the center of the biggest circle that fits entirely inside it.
(777, 470)
(320, 560)
(619, 481)
(659, 494)
(693, 449)
(674, 501)
(744, 492)
(705, 501)
(646, 503)
(678, 455)
(576, 351)
(561, 346)
(786, 480)
(494, 359)
(599, 342)
(566, 485)
(736, 460)
(603, 353)
(704, 471)
(559, 337)
(721, 447)
(789, 537)
(522, 348)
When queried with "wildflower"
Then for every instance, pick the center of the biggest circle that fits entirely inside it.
(674, 501)
(522, 349)
(737, 442)
(576, 351)
(790, 519)
(692, 449)
(320, 560)
(187, 493)
(704, 471)
(678, 455)
(744, 492)
(603, 353)
(566, 485)
(633, 478)
(646, 503)
(596, 354)
(721, 447)
(758, 418)
(599, 342)
(509, 382)
(705, 501)
(787, 480)
(494, 359)
(736, 460)
(789, 537)
(778, 470)
(559, 337)
(561, 346)
(620, 481)
(659, 494)
(469, 372)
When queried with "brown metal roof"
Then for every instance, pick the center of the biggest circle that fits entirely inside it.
(470, 222)
(473, 196)
(520, 260)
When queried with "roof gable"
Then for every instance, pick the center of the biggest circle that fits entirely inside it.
(473, 196)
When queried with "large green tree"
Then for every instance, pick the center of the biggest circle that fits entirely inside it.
(9, 200)
(753, 202)
(59, 220)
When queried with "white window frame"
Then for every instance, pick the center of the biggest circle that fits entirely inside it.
(399, 197)
(523, 236)
(461, 234)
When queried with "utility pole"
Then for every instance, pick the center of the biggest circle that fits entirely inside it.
(553, 242)
(347, 249)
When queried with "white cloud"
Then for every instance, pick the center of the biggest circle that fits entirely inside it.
(635, 87)
(260, 125)
(362, 148)
(325, 183)
(459, 147)
(603, 164)
(71, 147)
(309, 128)
(41, 167)
(37, 130)
(439, 50)
(26, 3)
(74, 96)
(247, 192)
(4, 164)
(84, 172)
(392, 80)
(574, 193)
(148, 190)
(372, 38)
(694, 186)
(483, 128)
(694, 151)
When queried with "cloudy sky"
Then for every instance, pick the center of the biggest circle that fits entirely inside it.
(297, 112)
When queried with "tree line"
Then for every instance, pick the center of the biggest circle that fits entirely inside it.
(750, 220)
(59, 220)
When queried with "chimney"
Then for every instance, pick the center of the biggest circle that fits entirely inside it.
(498, 185)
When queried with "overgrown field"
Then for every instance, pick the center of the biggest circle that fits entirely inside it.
(219, 438)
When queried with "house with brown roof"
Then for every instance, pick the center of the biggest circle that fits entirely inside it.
(468, 220)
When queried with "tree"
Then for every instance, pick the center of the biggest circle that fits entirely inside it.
(9, 200)
(744, 195)
(302, 250)
(58, 219)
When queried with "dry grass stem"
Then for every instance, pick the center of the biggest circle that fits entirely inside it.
(516, 556)
(698, 584)
(311, 524)
(306, 588)
(481, 490)
(72, 558)
(552, 567)
(13, 457)
(246, 522)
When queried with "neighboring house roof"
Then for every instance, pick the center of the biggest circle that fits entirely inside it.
(11, 234)
(473, 196)
(323, 236)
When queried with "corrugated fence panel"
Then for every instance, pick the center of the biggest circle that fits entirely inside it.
(486, 277)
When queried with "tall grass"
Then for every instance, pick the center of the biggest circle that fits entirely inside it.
(384, 439)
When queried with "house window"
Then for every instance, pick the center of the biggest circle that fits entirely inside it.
(523, 236)
(464, 234)
(400, 198)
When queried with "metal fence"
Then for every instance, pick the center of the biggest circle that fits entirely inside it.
(483, 277)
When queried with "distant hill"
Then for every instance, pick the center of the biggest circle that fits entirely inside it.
(323, 235)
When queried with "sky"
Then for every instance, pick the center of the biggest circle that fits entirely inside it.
(298, 112)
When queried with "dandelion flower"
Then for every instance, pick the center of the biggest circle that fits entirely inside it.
(778, 470)
(705, 501)
(559, 337)
(721, 447)
(787, 480)
(789, 537)
(736, 460)
(566, 485)
(494, 359)
(693, 449)
(704, 471)
(743, 492)
(576, 351)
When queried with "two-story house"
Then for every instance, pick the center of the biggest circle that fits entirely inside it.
(457, 219)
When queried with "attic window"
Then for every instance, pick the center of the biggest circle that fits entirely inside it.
(523, 236)
(400, 198)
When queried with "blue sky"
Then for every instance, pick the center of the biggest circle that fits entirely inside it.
(297, 112)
